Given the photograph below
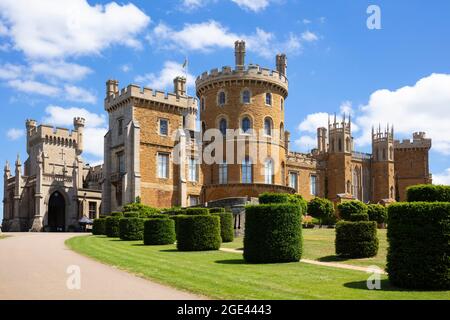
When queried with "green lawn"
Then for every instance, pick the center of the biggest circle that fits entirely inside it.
(223, 275)
(319, 245)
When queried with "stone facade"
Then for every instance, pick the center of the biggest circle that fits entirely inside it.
(55, 188)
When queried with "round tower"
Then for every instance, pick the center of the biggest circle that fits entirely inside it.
(31, 126)
(245, 105)
(78, 124)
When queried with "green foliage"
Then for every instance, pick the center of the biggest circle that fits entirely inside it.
(356, 239)
(428, 193)
(143, 210)
(98, 228)
(159, 231)
(322, 209)
(174, 211)
(272, 197)
(298, 200)
(112, 225)
(273, 233)
(226, 226)
(216, 210)
(377, 213)
(131, 228)
(198, 232)
(196, 211)
(348, 208)
(131, 214)
(419, 245)
(359, 217)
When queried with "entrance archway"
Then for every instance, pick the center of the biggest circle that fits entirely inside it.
(57, 212)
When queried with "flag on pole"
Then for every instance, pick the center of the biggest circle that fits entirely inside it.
(185, 62)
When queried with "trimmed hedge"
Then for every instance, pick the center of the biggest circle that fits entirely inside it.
(322, 209)
(356, 239)
(216, 210)
(196, 211)
(226, 226)
(419, 245)
(348, 208)
(143, 210)
(198, 232)
(112, 225)
(359, 217)
(298, 199)
(428, 193)
(273, 233)
(272, 197)
(131, 214)
(98, 228)
(159, 231)
(131, 228)
(377, 213)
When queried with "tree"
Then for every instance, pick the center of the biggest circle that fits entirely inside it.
(322, 209)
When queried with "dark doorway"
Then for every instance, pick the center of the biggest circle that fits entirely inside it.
(57, 213)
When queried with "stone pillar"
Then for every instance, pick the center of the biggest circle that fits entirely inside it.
(239, 53)
(281, 63)
(37, 224)
(15, 224)
(135, 184)
(179, 86)
(182, 185)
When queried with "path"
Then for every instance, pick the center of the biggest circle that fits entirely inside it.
(34, 266)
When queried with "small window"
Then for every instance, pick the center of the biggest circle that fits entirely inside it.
(293, 180)
(120, 126)
(202, 104)
(246, 125)
(223, 173)
(163, 165)
(268, 171)
(194, 200)
(193, 170)
(281, 131)
(268, 127)
(247, 171)
(282, 104)
(223, 126)
(313, 185)
(164, 127)
(92, 209)
(246, 96)
(268, 98)
(222, 98)
(120, 163)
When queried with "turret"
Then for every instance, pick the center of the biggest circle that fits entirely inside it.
(112, 88)
(7, 170)
(18, 182)
(31, 126)
(383, 144)
(179, 86)
(78, 124)
(340, 136)
(281, 63)
(322, 140)
(239, 53)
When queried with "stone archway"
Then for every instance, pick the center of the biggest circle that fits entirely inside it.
(56, 212)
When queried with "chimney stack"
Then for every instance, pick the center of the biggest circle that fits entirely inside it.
(239, 53)
(281, 62)
(179, 86)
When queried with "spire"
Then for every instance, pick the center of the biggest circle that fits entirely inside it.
(7, 168)
(18, 163)
(335, 119)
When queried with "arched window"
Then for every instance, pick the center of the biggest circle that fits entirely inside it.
(332, 144)
(246, 96)
(268, 171)
(281, 104)
(202, 104)
(340, 145)
(246, 125)
(222, 98)
(268, 98)
(247, 174)
(268, 127)
(384, 154)
(281, 131)
(223, 173)
(223, 126)
(349, 187)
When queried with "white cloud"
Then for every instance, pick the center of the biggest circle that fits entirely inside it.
(94, 145)
(210, 35)
(3, 30)
(442, 178)
(14, 134)
(314, 121)
(421, 107)
(306, 21)
(56, 29)
(164, 79)
(253, 5)
(306, 143)
(309, 36)
(77, 94)
(126, 68)
(34, 87)
(346, 108)
(60, 70)
(10, 71)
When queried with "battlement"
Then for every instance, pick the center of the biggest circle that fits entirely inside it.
(53, 135)
(133, 91)
(251, 72)
(301, 159)
(380, 136)
(419, 142)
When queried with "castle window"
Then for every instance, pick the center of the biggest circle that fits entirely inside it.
(163, 165)
(293, 180)
(247, 171)
(246, 96)
(222, 98)
(164, 127)
(202, 104)
(268, 171)
(348, 145)
(120, 126)
(384, 154)
(120, 163)
(223, 126)
(281, 104)
(223, 173)
(193, 201)
(193, 170)
(268, 99)
(349, 187)
(281, 131)
(203, 127)
(340, 145)
(268, 127)
(92, 209)
(313, 185)
(246, 125)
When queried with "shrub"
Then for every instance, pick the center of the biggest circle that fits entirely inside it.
(174, 211)
(348, 208)
(226, 226)
(428, 193)
(377, 213)
(268, 198)
(216, 210)
(356, 239)
(273, 233)
(159, 231)
(143, 210)
(196, 211)
(112, 225)
(322, 209)
(131, 214)
(359, 217)
(298, 199)
(198, 232)
(419, 245)
(131, 228)
(98, 228)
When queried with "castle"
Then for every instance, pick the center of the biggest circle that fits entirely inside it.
(154, 151)
(55, 189)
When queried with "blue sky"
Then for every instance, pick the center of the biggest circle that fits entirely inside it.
(56, 56)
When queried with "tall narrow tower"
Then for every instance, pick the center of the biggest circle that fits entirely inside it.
(383, 175)
(339, 158)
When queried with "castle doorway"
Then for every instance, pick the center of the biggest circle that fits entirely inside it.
(56, 213)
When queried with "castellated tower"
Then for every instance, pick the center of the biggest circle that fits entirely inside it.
(411, 163)
(339, 170)
(383, 181)
(246, 101)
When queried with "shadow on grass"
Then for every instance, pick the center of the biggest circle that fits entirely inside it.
(231, 261)
(362, 285)
(169, 250)
(333, 258)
